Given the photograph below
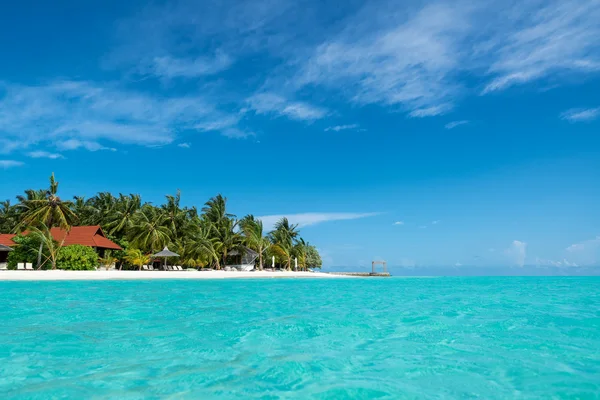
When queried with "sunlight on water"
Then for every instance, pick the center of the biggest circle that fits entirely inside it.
(366, 338)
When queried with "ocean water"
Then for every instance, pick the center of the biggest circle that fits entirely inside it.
(430, 338)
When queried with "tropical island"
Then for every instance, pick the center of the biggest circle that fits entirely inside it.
(122, 232)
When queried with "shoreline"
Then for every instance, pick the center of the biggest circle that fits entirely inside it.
(61, 275)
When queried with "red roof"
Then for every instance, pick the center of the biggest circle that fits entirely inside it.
(91, 236)
(6, 239)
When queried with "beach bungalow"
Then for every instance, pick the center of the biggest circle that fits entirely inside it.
(4, 250)
(242, 260)
(90, 236)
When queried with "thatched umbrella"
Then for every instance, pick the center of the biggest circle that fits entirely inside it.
(166, 253)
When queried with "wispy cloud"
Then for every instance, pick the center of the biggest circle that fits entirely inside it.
(306, 219)
(74, 144)
(44, 154)
(270, 103)
(75, 114)
(399, 223)
(554, 263)
(454, 124)
(437, 221)
(585, 245)
(338, 128)
(536, 40)
(170, 67)
(517, 252)
(586, 252)
(5, 164)
(184, 145)
(581, 114)
(416, 57)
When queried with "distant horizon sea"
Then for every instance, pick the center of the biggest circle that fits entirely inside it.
(371, 338)
(468, 270)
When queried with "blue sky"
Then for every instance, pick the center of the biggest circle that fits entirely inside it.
(427, 133)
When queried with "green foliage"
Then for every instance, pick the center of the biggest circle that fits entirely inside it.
(77, 257)
(25, 251)
(313, 258)
(201, 238)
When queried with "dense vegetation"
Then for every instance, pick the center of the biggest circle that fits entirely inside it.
(202, 238)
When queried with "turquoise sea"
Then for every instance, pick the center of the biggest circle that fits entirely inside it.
(430, 338)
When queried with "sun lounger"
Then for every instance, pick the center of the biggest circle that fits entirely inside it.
(20, 265)
(29, 266)
(145, 267)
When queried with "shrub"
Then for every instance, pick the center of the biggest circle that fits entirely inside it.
(77, 257)
(25, 251)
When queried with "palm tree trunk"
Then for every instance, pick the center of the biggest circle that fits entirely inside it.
(39, 258)
(260, 261)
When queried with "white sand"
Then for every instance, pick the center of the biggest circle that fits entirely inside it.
(59, 275)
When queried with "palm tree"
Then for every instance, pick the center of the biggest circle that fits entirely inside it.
(252, 230)
(42, 232)
(199, 247)
(137, 258)
(48, 211)
(9, 217)
(228, 240)
(150, 230)
(283, 238)
(176, 215)
(122, 214)
(223, 227)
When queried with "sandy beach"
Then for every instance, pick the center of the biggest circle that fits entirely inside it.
(60, 275)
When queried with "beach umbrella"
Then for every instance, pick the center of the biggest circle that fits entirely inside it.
(166, 253)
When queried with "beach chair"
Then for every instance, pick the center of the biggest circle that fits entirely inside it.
(179, 268)
(20, 265)
(29, 266)
(145, 267)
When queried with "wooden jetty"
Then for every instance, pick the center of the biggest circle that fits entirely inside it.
(372, 273)
(380, 274)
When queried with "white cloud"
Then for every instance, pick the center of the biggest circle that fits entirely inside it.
(184, 145)
(76, 114)
(270, 103)
(399, 223)
(306, 219)
(458, 264)
(74, 144)
(585, 245)
(5, 164)
(553, 263)
(44, 154)
(338, 128)
(423, 227)
(580, 115)
(435, 222)
(586, 252)
(454, 124)
(543, 40)
(431, 111)
(416, 56)
(420, 57)
(517, 252)
(170, 67)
